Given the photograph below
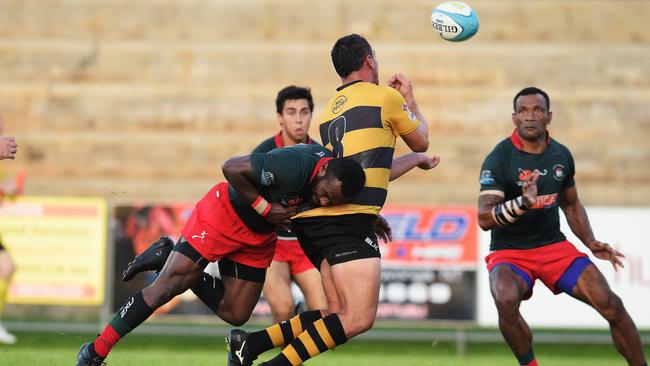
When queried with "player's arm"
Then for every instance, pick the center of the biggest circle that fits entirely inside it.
(238, 171)
(494, 211)
(418, 139)
(578, 221)
(406, 162)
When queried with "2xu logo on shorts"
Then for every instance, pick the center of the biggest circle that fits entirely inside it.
(126, 307)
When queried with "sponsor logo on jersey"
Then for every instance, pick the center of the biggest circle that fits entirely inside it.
(406, 110)
(338, 104)
(546, 201)
(266, 178)
(486, 177)
(558, 172)
(524, 174)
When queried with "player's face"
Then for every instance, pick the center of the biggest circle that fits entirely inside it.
(531, 117)
(295, 119)
(326, 191)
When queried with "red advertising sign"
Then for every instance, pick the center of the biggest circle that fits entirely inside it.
(431, 236)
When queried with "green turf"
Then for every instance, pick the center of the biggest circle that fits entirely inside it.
(54, 349)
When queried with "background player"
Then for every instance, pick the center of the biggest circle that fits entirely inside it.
(294, 107)
(523, 181)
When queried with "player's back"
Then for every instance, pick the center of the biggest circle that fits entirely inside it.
(362, 121)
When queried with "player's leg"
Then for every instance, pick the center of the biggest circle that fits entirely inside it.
(329, 289)
(311, 286)
(7, 269)
(592, 288)
(277, 291)
(178, 274)
(508, 288)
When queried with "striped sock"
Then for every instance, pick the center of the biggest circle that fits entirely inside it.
(281, 334)
(134, 311)
(324, 334)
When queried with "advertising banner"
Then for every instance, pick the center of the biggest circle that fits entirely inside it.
(428, 271)
(59, 247)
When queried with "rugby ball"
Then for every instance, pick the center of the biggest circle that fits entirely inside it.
(454, 21)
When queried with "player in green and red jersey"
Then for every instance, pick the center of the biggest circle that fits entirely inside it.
(524, 181)
(235, 223)
(294, 107)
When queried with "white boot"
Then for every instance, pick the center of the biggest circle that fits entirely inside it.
(6, 337)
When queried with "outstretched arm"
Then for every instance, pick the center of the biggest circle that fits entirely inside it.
(493, 212)
(417, 140)
(578, 220)
(406, 162)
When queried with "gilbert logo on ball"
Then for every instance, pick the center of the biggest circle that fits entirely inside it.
(454, 21)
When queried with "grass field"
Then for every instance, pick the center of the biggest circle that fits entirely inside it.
(53, 349)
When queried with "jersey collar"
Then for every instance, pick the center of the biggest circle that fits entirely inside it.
(318, 165)
(280, 143)
(348, 84)
(516, 140)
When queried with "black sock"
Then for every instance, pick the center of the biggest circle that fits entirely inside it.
(209, 289)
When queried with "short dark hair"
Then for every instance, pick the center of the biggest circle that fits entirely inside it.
(293, 92)
(350, 173)
(531, 90)
(348, 54)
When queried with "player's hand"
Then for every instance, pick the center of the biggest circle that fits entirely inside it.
(529, 189)
(383, 230)
(606, 252)
(8, 147)
(403, 85)
(279, 215)
(428, 163)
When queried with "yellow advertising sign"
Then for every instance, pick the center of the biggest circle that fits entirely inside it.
(59, 247)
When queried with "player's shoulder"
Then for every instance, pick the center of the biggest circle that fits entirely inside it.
(556, 145)
(503, 148)
(265, 146)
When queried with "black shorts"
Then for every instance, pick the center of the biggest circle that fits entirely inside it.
(338, 239)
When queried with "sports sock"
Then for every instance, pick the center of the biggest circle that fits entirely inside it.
(527, 359)
(323, 334)
(209, 289)
(4, 288)
(282, 333)
(134, 311)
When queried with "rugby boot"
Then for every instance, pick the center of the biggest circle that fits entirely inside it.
(238, 354)
(88, 357)
(152, 259)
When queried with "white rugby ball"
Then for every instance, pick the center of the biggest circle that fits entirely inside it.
(454, 21)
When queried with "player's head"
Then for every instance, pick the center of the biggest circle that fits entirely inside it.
(353, 53)
(337, 181)
(294, 106)
(532, 113)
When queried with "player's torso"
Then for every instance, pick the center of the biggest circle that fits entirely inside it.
(353, 125)
(540, 224)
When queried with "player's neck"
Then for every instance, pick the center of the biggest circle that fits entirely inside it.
(536, 146)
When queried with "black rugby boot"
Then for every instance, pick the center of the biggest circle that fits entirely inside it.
(238, 354)
(152, 259)
(88, 357)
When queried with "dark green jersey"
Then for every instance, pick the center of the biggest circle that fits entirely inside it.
(266, 146)
(503, 172)
(281, 176)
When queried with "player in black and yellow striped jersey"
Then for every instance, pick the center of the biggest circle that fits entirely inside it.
(361, 121)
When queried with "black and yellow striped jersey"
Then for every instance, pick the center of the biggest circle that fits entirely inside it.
(362, 121)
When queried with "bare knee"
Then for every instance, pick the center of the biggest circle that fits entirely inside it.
(611, 308)
(235, 318)
(507, 302)
(357, 323)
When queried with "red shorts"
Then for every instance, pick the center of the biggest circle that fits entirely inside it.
(215, 231)
(290, 251)
(548, 263)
